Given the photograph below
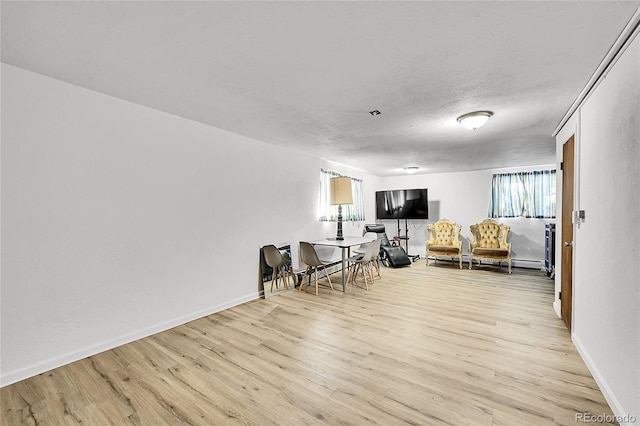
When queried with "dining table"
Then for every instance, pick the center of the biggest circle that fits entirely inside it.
(345, 245)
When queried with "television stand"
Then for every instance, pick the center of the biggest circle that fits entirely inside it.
(400, 238)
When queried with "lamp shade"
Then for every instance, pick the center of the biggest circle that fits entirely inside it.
(341, 191)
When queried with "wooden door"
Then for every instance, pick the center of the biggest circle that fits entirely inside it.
(566, 286)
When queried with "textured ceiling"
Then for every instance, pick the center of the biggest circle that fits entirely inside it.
(304, 75)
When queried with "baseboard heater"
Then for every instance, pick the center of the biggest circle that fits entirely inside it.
(515, 262)
(528, 263)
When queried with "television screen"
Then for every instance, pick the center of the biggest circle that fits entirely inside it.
(402, 204)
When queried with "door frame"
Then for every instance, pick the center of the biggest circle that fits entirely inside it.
(567, 231)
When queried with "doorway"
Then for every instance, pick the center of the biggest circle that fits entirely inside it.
(566, 283)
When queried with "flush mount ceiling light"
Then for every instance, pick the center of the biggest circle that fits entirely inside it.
(411, 169)
(474, 120)
(375, 112)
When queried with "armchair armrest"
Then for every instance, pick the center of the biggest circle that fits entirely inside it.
(473, 243)
(504, 233)
(432, 238)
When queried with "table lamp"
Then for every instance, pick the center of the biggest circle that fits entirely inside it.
(340, 194)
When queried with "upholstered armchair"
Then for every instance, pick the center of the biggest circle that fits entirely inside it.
(444, 240)
(489, 241)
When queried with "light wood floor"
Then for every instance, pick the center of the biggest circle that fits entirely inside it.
(424, 346)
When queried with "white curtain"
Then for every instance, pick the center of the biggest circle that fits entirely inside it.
(524, 194)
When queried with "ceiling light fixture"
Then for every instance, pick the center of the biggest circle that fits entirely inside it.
(411, 169)
(375, 112)
(474, 120)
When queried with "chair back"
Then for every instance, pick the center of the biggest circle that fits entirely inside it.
(444, 233)
(375, 250)
(369, 234)
(368, 255)
(363, 247)
(379, 229)
(273, 257)
(285, 256)
(308, 254)
(489, 234)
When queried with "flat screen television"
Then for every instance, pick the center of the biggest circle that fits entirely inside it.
(402, 204)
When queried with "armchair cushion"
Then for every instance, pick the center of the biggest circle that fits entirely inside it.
(490, 252)
(444, 249)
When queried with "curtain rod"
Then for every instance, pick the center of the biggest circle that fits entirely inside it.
(627, 34)
(339, 174)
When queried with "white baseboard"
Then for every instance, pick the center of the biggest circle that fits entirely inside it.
(42, 367)
(613, 402)
(557, 308)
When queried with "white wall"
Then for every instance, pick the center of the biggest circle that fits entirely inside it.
(606, 295)
(464, 198)
(119, 221)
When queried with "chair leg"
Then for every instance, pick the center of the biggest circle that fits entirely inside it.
(294, 280)
(313, 270)
(365, 273)
(356, 269)
(376, 263)
(306, 271)
(350, 272)
(362, 269)
(285, 277)
(327, 275)
(460, 259)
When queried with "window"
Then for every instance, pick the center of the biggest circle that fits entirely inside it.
(352, 212)
(525, 194)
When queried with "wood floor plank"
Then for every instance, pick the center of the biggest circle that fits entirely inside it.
(425, 345)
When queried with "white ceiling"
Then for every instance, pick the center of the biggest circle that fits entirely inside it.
(303, 75)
